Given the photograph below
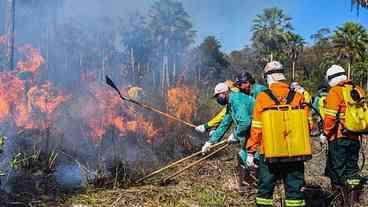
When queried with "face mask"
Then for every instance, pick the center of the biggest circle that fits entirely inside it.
(221, 100)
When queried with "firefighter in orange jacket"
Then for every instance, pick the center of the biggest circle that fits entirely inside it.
(292, 173)
(343, 147)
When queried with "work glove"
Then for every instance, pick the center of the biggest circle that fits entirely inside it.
(323, 138)
(250, 160)
(200, 128)
(206, 147)
(243, 156)
(211, 132)
(231, 139)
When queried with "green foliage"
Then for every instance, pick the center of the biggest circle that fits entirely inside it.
(270, 32)
(170, 27)
(360, 73)
(211, 60)
(351, 41)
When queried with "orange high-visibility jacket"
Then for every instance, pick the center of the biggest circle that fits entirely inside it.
(280, 90)
(334, 112)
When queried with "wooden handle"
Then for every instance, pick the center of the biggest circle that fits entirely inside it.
(177, 162)
(194, 163)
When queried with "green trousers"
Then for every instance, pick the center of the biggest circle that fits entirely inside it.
(291, 173)
(342, 162)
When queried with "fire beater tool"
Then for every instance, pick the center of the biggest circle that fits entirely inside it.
(125, 98)
(178, 162)
(168, 178)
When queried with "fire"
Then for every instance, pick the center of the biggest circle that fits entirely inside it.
(31, 104)
(45, 98)
(182, 101)
(32, 61)
(12, 97)
(111, 111)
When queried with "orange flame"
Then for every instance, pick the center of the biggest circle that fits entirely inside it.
(182, 101)
(110, 111)
(32, 61)
(45, 98)
(30, 105)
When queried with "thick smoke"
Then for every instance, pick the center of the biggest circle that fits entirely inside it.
(75, 117)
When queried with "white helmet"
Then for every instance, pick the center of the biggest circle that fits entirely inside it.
(275, 70)
(221, 88)
(295, 85)
(335, 74)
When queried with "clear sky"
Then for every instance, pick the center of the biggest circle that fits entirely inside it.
(231, 20)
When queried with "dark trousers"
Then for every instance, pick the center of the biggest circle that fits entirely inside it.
(292, 175)
(342, 161)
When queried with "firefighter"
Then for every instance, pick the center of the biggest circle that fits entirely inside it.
(319, 101)
(243, 82)
(239, 107)
(318, 104)
(246, 84)
(216, 120)
(343, 146)
(292, 173)
(300, 89)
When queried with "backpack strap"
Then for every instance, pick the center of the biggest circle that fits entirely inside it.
(273, 97)
(290, 96)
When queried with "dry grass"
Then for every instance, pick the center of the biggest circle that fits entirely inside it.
(208, 184)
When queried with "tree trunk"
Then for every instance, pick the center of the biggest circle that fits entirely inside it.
(103, 65)
(293, 70)
(132, 63)
(10, 22)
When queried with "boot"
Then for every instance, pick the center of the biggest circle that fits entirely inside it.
(355, 196)
(343, 191)
(242, 174)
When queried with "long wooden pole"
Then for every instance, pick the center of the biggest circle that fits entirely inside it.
(194, 163)
(159, 112)
(125, 98)
(177, 162)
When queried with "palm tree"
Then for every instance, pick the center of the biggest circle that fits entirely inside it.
(359, 3)
(270, 31)
(351, 42)
(295, 46)
(172, 33)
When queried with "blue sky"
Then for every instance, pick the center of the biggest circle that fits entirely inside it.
(231, 20)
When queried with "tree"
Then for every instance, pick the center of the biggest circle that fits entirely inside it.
(359, 3)
(172, 34)
(270, 31)
(10, 22)
(295, 45)
(137, 36)
(351, 42)
(210, 63)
